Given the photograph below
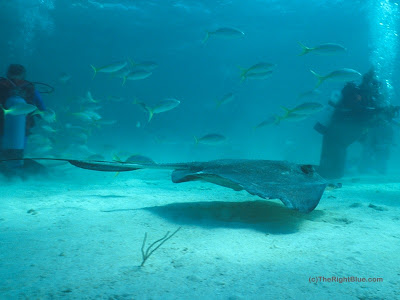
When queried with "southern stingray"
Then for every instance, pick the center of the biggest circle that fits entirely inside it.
(299, 187)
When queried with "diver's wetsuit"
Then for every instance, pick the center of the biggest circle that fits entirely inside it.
(356, 118)
(27, 91)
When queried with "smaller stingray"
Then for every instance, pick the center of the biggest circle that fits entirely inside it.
(103, 166)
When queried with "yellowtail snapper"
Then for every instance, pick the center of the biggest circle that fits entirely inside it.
(323, 49)
(226, 33)
(341, 75)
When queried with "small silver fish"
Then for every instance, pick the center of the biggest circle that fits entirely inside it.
(19, 109)
(305, 108)
(210, 139)
(149, 66)
(87, 116)
(261, 75)
(165, 105)
(64, 78)
(88, 98)
(292, 117)
(111, 68)
(225, 32)
(272, 120)
(136, 75)
(160, 107)
(121, 73)
(49, 115)
(338, 75)
(225, 99)
(260, 67)
(323, 49)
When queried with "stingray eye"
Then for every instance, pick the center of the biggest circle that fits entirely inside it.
(307, 169)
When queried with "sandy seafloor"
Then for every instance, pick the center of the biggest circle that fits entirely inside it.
(58, 241)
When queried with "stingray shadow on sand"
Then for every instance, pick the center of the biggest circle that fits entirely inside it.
(264, 216)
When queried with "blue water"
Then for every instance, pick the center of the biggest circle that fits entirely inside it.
(51, 37)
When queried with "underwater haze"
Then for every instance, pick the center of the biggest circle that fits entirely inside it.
(187, 80)
(66, 37)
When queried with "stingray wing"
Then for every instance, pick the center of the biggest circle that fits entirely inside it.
(299, 187)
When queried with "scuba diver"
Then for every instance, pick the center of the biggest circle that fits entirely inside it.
(14, 128)
(360, 115)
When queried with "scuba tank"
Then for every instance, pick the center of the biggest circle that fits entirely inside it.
(14, 126)
(13, 143)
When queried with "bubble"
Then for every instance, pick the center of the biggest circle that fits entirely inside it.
(384, 16)
(35, 19)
